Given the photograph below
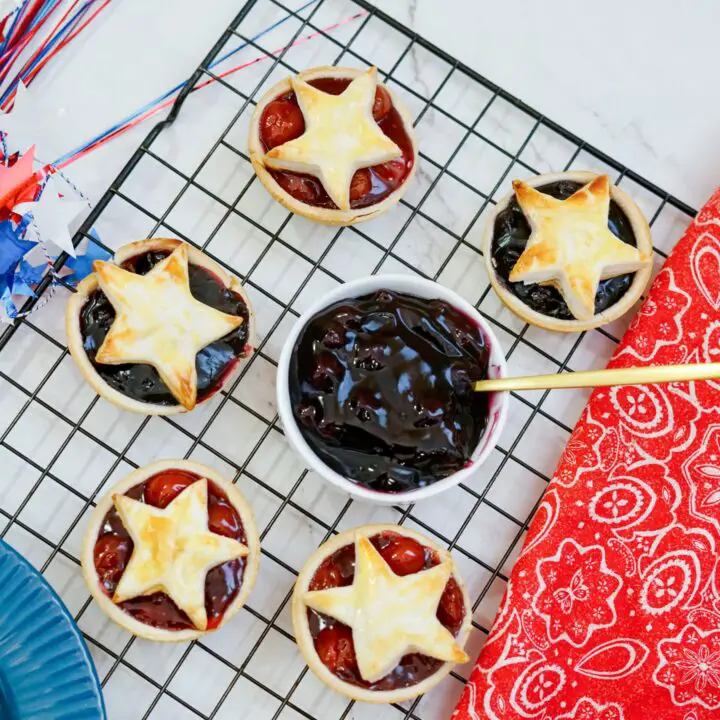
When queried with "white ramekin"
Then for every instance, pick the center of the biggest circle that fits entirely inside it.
(420, 288)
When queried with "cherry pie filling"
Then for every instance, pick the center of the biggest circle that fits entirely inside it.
(510, 236)
(143, 382)
(382, 389)
(334, 641)
(282, 121)
(113, 549)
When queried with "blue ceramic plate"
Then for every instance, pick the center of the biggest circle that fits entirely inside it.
(46, 672)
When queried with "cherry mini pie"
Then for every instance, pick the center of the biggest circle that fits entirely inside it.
(333, 144)
(381, 614)
(171, 552)
(568, 251)
(159, 329)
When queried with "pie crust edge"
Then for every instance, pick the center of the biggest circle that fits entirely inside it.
(89, 285)
(304, 638)
(643, 238)
(87, 557)
(327, 216)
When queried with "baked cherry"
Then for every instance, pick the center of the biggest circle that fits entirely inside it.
(162, 489)
(451, 610)
(223, 519)
(300, 187)
(282, 121)
(328, 575)
(335, 648)
(392, 172)
(382, 104)
(404, 555)
(112, 553)
(361, 184)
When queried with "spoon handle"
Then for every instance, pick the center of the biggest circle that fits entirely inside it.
(604, 378)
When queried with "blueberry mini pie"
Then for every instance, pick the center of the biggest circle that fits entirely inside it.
(568, 251)
(381, 614)
(333, 145)
(159, 329)
(171, 552)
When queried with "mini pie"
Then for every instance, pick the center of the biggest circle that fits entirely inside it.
(381, 614)
(171, 552)
(568, 251)
(159, 329)
(333, 144)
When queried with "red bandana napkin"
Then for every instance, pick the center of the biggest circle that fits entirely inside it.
(612, 611)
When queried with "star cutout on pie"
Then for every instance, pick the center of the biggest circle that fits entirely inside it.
(173, 550)
(390, 615)
(571, 246)
(158, 322)
(340, 136)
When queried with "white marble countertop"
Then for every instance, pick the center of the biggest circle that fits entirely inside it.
(636, 79)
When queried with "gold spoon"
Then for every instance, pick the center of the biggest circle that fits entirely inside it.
(605, 378)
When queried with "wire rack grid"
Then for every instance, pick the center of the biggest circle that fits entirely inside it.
(60, 445)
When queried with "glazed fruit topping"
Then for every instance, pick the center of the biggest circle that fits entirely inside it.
(382, 105)
(282, 121)
(404, 555)
(162, 489)
(382, 389)
(334, 646)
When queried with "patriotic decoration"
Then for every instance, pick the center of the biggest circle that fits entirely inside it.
(39, 207)
(612, 611)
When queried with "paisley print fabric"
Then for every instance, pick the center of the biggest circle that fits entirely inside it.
(612, 611)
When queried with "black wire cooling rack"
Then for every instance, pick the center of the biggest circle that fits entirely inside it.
(60, 444)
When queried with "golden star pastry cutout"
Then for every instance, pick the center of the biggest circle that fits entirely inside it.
(174, 550)
(571, 246)
(390, 615)
(158, 322)
(341, 136)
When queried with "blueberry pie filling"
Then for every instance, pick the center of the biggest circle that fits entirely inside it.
(381, 387)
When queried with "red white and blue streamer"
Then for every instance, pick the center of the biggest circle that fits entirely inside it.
(38, 203)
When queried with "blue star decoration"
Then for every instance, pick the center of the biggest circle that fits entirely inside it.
(10, 308)
(82, 265)
(12, 250)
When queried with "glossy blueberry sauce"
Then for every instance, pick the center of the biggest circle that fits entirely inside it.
(282, 121)
(382, 389)
(333, 640)
(113, 549)
(510, 236)
(143, 382)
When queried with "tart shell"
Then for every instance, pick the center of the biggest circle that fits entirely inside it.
(87, 556)
(328, 216)
(643, 238)
(90, 284)
(305, 639)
